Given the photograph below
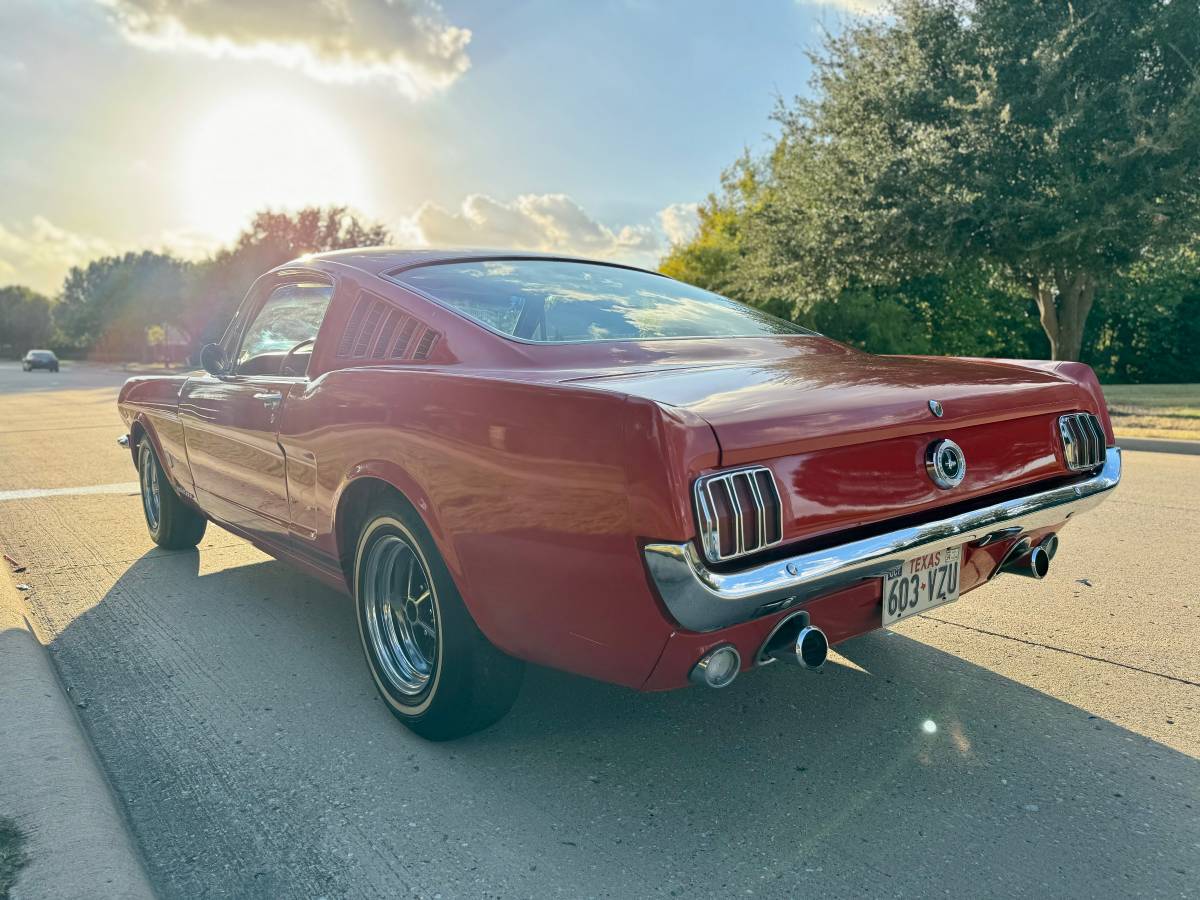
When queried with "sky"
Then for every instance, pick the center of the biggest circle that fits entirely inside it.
(581, 126)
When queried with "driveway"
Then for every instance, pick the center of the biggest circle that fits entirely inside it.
(1035, 738)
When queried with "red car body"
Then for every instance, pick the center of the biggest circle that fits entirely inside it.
(557, 480)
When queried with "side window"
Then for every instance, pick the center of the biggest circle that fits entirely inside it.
(291, 314)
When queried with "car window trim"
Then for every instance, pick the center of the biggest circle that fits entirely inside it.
(260, 297)
(442, 304)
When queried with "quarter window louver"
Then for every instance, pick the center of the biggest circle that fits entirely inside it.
(402, 339)
(370, 323)
(1083, 441)
(425, 345)
(738, 513)
(354, 325)
(378, 330)
(384, 340)
(363, 328)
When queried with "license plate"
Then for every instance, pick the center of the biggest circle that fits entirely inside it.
(921, 583)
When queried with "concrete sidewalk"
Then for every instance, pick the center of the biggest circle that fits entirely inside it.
(1159, 445)
(77, 841)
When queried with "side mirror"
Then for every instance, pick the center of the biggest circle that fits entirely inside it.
(214, 360)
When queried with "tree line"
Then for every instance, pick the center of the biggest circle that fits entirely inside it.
(982, 177)
(965, 177)
(113, 307)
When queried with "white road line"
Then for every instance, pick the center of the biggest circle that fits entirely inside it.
(125, 487)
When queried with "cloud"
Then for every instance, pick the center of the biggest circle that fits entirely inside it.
(406, 42)
(865, 7)
(680, 221)
(40, 254)
(551, 223)
(13, 68)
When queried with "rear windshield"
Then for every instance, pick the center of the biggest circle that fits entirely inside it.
(555, 301)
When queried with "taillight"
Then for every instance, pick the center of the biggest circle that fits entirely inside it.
(1082, 441)
(738, 513)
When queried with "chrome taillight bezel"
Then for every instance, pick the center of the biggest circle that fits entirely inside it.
(768, 511)
(1083, 442)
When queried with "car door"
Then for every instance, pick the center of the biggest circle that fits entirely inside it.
(231, 423)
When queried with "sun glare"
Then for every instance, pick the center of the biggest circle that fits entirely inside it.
(257, 150)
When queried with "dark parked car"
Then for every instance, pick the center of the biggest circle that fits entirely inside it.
(40, 359)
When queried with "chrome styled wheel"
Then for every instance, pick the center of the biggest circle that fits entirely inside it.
(433, 667)
(401, 614)
(151, 495)
(172, 523)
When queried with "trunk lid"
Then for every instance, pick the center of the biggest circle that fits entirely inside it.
(824, 395)
(845, 433)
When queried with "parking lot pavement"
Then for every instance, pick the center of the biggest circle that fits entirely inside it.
(1034, 738)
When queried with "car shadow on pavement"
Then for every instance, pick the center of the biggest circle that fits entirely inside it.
(238, 723)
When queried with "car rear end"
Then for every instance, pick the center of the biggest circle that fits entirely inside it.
(40, 359)
(841, 507)
(784, 491)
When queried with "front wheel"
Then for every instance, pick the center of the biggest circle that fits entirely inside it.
(171, 522)
(431, 664)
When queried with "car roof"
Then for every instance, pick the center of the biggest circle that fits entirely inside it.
(381, 260)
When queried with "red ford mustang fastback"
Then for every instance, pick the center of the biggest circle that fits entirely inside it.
(513, 457)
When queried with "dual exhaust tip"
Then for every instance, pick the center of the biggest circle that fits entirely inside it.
(793, 640)
(809, 649)
(1031, 562)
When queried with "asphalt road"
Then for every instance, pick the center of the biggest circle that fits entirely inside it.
(1032, 739)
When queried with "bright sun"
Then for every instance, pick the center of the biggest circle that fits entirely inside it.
(265, 150)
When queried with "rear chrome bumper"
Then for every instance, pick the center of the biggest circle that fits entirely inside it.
(703, 600)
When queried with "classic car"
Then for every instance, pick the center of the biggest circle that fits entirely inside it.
(39, 359)
(511, 458)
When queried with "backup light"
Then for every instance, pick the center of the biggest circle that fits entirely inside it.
(717, 668)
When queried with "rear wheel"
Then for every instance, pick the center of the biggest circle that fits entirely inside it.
(171, 522)
(432, 665)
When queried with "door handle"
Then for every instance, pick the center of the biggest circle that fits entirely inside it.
(270, 399)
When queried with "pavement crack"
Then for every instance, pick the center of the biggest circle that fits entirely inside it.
(1100, 659)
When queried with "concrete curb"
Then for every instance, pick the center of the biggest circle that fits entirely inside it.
(51, 783)
(1158, 445)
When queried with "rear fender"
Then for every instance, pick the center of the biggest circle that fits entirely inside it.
(1082, 375)
(400, 479)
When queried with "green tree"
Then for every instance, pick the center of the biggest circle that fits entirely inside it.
(1055, 144)
(1146, 326)
(281, 236)
(107, 305)
(217, 285)
(25, 320)
(712, 258)
(112, 305)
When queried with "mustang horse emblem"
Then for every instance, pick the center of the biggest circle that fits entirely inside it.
(945, 463)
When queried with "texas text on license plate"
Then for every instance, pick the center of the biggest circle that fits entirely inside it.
(921, 583)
